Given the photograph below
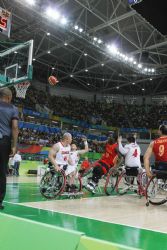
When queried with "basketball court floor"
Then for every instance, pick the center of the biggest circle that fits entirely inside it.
(123, 220)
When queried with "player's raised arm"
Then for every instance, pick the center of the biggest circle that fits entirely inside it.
(52, 155)
(99, 142)
(121, 149)
(147, 157)
(86, 149)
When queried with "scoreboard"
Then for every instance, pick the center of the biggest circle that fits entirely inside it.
(5, 22)
(131, 2)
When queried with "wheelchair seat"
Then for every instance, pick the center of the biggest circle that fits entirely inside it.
(132, 171)
(160, 174)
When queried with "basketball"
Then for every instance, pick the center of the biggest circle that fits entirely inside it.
(52, 80)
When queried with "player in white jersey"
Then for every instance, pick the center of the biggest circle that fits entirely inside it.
(131, 151)
(60, 152)
(74, 159)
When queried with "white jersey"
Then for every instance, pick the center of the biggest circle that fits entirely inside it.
(74, 156)
(62, 155)
(132, 154)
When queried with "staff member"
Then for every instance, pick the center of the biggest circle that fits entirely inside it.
(8, 136)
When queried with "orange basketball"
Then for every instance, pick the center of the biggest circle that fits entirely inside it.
(52, 80)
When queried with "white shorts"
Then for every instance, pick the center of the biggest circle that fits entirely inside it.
(70, 169)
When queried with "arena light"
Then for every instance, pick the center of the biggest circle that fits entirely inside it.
(63, 21)
(85, 54)
(76, 27)
(151, 79)
(95, 39)
(86, 70)
(145, 69)
(143, 89)
(52, 13)
(139, 66)
(131, 59)
(133, 83)
(88, 84)
(103, 79)
(117, 87)
(153, 70)
(80, 30)
(49, 52)
(134, 62)
(99, 41)
(71, 76)
(15, 52)
(48, 34)
(31, 2)
(65, 44)
(102, 64)
(113, 49)
(53, 68)
(34, 59)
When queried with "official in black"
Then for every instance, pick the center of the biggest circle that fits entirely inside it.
(8, 136)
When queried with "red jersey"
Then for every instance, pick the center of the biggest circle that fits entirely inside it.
(160, 149)
(85, 164)
(110, 156)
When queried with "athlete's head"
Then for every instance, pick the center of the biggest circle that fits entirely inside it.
(67, 138)
(163, 129)
(112, 139)
(73, 147)
(6, 95)
(131, 139)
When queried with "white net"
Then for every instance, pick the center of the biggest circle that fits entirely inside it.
(21, 89)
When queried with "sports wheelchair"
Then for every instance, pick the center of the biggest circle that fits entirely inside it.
(107, 182)
(131, 179)
(156, 190)
(54, 184)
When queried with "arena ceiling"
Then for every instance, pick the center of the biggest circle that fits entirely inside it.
(113, 21)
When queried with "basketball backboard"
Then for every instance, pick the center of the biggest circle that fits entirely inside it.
(15, 63)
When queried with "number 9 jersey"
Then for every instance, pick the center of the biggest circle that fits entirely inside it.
(160, 149)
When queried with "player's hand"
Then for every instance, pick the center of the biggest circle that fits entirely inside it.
(84, 138)
(149, 174)
(119, 139)
(57, 168)
(13, 151)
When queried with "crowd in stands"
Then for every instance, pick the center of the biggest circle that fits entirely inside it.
(96, 113)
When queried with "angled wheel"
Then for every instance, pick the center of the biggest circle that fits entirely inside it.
(111, 181)
(52, 184)
(156, 191)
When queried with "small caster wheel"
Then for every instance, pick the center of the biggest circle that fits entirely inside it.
(147, 204)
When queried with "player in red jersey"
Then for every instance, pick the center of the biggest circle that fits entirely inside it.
(159, 148)
(107, 161)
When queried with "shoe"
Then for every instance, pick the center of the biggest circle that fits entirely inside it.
(91, 187)
(1, 206)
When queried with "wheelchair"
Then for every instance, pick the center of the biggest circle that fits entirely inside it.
(54, 184)
(107, 182)
(131, 180)
(156, 190)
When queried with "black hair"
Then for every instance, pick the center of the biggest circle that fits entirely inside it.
(112, 138)
(131, 139)
(163, 129)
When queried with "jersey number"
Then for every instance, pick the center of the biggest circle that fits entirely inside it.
(161, 150)
(65, 158)
(135, 153)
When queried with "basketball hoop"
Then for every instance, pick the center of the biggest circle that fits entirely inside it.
(21, 89)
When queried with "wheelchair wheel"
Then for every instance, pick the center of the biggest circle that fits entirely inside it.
(111, 182)
(52, 184)
(156, 191)
(126, 184)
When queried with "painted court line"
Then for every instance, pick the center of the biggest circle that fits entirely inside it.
(90, 218)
